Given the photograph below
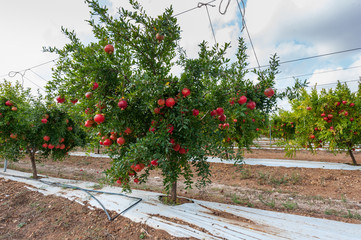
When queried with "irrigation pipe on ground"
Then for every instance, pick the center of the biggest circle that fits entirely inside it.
(86, 191)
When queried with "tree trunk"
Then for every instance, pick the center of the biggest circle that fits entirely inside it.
(173, 192)
(352, 157)
(33, 164)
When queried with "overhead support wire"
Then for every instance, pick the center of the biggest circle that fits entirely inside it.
(199, 5)
(244, 26)
(321, 55)
(191, 9)
(225, 10)
(249, 36)
(311, 57)
(325, 84)
(41, 64)
(5, 75)
(243, 14)
(327, 71)
(209, 17)
(35, 84)
(21, 73)
(13, 73)
(38, 75)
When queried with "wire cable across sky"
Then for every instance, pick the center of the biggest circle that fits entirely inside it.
(322, 72)
(178, 14)
(24, 70)
(312, 57)
(225, 6)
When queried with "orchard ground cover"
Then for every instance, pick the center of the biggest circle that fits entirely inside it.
(200, 219)
(26, 214)
(332, 194)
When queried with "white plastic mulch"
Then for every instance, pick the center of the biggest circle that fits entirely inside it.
(264, 162)
(196, 219)
(292, 163)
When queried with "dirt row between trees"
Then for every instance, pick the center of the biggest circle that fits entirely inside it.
(331, 194)
(25, 214)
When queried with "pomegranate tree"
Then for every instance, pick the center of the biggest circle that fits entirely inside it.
(326, 119)
(25, 132)
(151, 118)
(283, 126)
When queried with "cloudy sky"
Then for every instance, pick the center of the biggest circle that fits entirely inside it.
(293, 29)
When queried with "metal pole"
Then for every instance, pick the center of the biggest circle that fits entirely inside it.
(270, 134)
(5, 165)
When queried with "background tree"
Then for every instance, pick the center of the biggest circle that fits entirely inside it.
(283, 126)
(27, 125)
(328, 119)
(145, 116)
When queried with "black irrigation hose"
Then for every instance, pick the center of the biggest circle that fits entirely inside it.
(86, 191)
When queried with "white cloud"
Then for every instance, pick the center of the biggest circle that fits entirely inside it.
(327, 77)
(27, 26)
(324, 24)
(30, 25)
(292, 29)
(195, 24)
(295, 29)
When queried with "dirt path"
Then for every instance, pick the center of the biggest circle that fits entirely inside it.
(26, 214)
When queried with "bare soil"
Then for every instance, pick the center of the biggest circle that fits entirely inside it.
(26, 214)
(331, 194)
